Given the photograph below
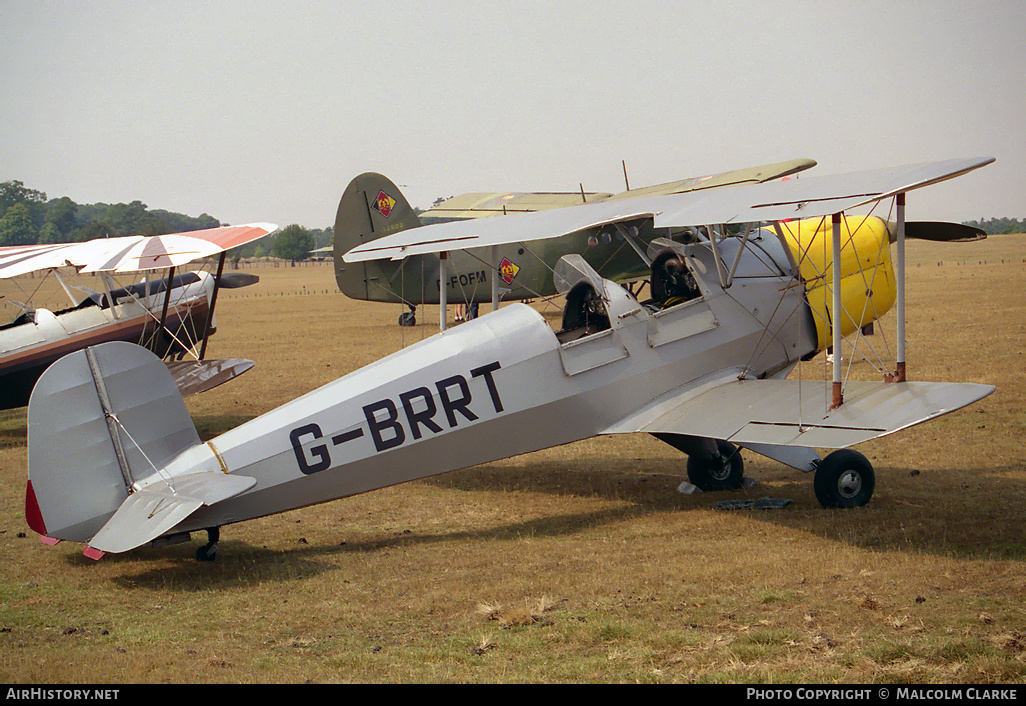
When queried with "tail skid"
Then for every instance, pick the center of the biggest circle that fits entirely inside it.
(105, 425)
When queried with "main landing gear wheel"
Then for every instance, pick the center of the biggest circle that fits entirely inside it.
(844, 478)
(208, 552)
(724, 470)
(408, 318)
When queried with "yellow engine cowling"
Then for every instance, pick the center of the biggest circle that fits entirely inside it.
(868, 286)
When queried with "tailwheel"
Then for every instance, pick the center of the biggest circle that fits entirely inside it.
(408, 318)
(844, 478)
(208, 552)
(722, 470)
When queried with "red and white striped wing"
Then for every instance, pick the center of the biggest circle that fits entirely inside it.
(130, 253)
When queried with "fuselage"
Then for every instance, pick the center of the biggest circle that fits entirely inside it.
(523, 271)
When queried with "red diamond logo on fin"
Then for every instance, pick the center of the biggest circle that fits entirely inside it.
(384, 204)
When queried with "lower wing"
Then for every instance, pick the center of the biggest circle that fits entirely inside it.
(195, 376)
(793, 413)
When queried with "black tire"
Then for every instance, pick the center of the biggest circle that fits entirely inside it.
(408, 319)
(725, 472)
(207, 552)
(844, 478)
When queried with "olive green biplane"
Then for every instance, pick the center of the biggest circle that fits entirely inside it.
(373, 206)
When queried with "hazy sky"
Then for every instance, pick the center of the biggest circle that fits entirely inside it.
(263, 111)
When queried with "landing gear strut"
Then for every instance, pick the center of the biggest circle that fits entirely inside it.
(208, 552)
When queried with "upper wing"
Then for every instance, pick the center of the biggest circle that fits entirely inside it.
(790, 413)
(746, 203)
(481, 205)
(130, 253)
(812, 196)
(750, 175)
(461, 235)
(228, 237)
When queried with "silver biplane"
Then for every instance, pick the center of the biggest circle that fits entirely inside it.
(172, 315)
(703, 364)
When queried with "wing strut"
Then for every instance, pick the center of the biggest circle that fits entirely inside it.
(167, 300)
(900, 368)
(442, 303)
(626, 233)
(899, 373)
(494, 257)
(838, 395)
(213, 303)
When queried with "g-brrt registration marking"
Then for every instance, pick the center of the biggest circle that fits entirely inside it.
(385, 426)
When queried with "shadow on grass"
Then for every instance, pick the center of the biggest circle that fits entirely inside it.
(240, 564)
(13, 427)
(947, 513)
(972, 526)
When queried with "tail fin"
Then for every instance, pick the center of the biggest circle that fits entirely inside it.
(372, 206)
(104, 426)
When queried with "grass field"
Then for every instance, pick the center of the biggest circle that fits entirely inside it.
(578, 564)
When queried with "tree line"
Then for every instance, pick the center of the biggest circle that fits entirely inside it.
(28, 217)
(999, 226)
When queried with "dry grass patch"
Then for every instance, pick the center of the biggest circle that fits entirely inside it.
(531, 612)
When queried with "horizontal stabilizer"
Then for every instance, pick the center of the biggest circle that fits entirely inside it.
(195, 376)
(793, 413)
(153, 510)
